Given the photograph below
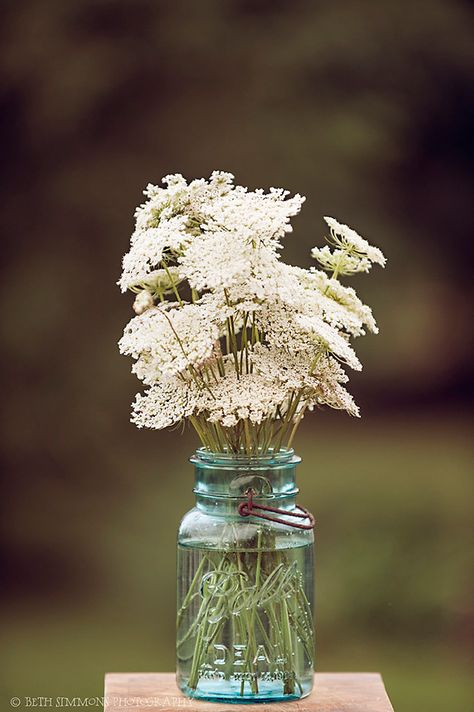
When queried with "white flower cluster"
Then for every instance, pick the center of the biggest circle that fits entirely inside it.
(201, 225)
(350, 253)
(226, 334)
(167, 341)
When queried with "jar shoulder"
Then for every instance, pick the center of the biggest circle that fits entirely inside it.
(191, 522)
(198, 528)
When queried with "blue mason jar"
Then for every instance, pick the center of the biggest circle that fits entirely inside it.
(245, 582)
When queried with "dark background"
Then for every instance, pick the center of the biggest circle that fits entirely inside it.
(365, 107)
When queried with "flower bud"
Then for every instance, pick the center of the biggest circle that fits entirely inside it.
(143, 301)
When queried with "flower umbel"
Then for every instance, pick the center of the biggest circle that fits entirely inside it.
(227, 336)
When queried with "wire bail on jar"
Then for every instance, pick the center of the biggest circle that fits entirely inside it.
(249, 508)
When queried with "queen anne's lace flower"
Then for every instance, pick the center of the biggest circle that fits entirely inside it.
(149, 246)
(294, 331)
(165, 403)
(352, 244)
(166, 341)
(314, 293)
(208, 264)
(319, 385)
(341, 306)
(328, 339)
(330, 391)
(248, 396)
(226, 334)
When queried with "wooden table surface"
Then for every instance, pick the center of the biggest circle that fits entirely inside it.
(332, 692)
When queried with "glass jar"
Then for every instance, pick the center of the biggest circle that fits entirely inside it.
(245, 583)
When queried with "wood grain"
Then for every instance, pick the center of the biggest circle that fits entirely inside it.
(333, 692)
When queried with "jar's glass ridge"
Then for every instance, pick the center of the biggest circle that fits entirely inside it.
(245, 585)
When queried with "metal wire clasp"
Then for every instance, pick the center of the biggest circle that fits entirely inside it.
(248, 508)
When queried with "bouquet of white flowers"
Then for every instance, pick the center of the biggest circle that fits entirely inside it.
(240, 344)
(227, 335)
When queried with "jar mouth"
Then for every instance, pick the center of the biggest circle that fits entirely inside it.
(270, 457)
(229, 474)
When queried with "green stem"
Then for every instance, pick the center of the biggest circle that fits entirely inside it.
(190, 592)
(295, 426)
(173, 286)
(287, 644)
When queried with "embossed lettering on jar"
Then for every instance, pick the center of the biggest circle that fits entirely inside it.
(245, 583)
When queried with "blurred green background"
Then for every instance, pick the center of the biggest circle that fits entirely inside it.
(365, 107)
